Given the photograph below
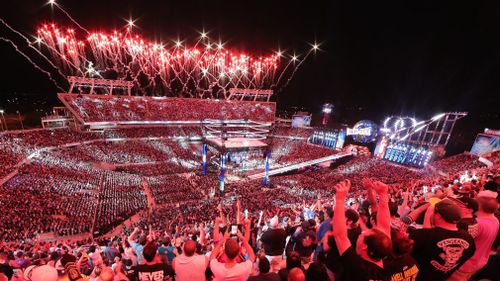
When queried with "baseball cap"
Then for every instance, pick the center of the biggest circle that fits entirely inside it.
(448, 210)
(487, 194)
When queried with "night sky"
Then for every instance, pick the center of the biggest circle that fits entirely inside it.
(378, 58)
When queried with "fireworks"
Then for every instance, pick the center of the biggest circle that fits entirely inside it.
(206, 69)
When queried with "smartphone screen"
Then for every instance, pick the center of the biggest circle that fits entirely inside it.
(234, 229)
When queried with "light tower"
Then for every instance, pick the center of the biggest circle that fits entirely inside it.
(327, 110)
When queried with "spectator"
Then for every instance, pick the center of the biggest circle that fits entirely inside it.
(292, 261)
(332, 256)
(304, 242)
(296, 274)
(137, 246)
(487, 232)
(316, 272)
(111, 251)
(401, 265)
(468, 221)
(325, 226)
(152, 269)
(273, 241)
(167, 250)
(264, 274)
(189, 265)
(442, 248)
(231, 269)
(372, 245)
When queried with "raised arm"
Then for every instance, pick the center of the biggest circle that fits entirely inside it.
(221, 214)
(202, 234)
(248, 248)
(132, 236)
(319, 205)
(217, 229)
(383, 213)
(339, 220)
(247, 229)
(238, 211)
(218, 246)
(368, 184)
(427, 217)
(413, 215)
(404, 206)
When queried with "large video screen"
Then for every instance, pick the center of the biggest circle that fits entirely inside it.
(301, 121)
(485, 144)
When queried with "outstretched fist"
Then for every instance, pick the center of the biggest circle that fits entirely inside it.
(367, 183)
(342, 188)
(380, 188)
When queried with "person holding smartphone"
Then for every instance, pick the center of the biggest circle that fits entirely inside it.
(231, 269)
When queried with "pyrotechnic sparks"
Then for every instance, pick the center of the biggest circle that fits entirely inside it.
(171, 70)
(157, 68)
(31, 61)
(38, 40)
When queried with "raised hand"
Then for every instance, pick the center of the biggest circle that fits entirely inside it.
(342, 189)
(367, 183)
(380, 188)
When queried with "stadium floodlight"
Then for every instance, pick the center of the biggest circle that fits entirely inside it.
(327, 108)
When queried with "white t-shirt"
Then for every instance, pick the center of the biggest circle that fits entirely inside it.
(488, 230)
(190, 268)
(239, 272)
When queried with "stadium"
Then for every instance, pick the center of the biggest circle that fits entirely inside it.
(187, 141)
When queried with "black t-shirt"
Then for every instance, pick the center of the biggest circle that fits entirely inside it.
(274, 241)
(439, 252)
(402, 268)
(305, 243)
(154, 272)
(332, 256)
(358, 269)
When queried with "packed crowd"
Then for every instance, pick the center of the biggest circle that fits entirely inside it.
(16, 146)
(93, 108)
(295, 229)
(373, 231)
